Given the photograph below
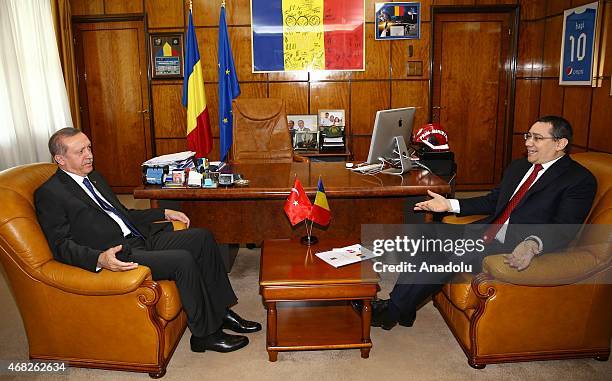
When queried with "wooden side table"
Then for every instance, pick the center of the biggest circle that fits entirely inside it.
(308, 301)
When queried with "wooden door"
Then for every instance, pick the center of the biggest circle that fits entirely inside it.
(112, 69)
(471, 86)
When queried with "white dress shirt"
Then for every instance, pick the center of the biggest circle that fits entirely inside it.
(501, 234)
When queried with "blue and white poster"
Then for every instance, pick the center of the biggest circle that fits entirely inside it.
(577, 46)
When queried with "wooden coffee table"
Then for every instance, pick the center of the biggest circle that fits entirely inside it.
(308, 301)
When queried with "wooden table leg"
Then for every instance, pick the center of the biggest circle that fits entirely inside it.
(271, 330)
(366, 318)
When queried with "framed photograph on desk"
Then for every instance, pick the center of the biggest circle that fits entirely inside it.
(166, 50)
(331, 118)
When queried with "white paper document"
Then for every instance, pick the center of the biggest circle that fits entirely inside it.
(343, 256)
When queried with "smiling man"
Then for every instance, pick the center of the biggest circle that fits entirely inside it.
(547, 187)
(87, 226)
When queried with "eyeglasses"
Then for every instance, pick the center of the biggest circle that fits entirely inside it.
(537, 138)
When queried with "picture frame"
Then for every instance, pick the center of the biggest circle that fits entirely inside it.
(306, 123)
(306, 140)
(578, 45)
(397, 21)
(329, 118)
(166, 55)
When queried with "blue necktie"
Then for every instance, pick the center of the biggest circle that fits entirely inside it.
(108, 207)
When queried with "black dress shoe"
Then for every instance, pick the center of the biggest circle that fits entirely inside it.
(234, 322)
(382, 317)
(218, 342)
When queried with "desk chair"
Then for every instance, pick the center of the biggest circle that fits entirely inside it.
(261, 134)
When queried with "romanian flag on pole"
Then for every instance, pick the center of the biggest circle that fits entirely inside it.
(307, 35)
(228, 87)
(320, 212)
(199, 136)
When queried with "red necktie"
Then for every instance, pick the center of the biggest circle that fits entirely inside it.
(497, 224)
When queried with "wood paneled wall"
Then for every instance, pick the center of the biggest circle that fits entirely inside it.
(385, 83)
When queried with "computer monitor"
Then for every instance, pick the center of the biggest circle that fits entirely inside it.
(389, 125)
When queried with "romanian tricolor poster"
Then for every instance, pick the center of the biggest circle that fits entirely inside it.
(290, 35)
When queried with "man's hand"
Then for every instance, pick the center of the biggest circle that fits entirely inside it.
(522, 255)
(173, 215)
(437, 203)
(107, 260)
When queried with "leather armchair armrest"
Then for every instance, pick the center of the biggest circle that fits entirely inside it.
(178, 225)
(549, 269)
(300, 159)
(454, 220)
(78, 281)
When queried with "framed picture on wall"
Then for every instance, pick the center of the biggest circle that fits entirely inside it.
(397, 21)
(578, 45)
(166, 54)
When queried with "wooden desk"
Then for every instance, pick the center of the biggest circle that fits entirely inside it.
(254, 213)
(308, 301)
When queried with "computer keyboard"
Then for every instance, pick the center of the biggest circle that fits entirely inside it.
(367, 168)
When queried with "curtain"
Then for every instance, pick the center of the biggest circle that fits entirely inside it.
(33, 100)
(63, 33)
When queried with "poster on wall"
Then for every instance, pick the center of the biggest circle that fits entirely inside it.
(307, 35)
(396, 21)
(577, 46)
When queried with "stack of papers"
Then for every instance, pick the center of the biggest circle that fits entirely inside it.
(180, 160)
(343, 256)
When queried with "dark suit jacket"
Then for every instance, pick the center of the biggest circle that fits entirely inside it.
(562, 195)
(77, 228)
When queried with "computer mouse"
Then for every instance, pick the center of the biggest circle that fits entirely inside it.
(349, 165)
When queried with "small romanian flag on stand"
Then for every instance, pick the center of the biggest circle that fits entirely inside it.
(199, 136)
(320, 212)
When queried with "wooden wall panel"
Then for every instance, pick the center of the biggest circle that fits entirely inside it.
(168, 111)
(369, 12)
(294, 94)
(601, 115)
(166, 146)
(330, 95)
(577, 3)
(86, 7)
(165, 13)
(208, 45)
(294, 76)
(527, 104)
(606, 55)
(532, 9)
(425, 11)
(551, 101)
(530, 45)
(412, 93)
(576, 102)
(518, 146)
(366, 99)
(240, 40)
(361, 146)
(420, 49)
(453, 2)
(212, 104)
(206, 12)
(254, 90)
(495, 2)
(122, 6)
(555, 7)
(329, 75)
(552, 47)
(377, 60)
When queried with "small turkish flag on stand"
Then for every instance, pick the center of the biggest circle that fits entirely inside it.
(297, 207)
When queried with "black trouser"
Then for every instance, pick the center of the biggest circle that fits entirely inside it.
(191, 258)
(408, 296)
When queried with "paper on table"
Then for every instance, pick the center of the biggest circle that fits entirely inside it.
(170, 158)
(343, 256)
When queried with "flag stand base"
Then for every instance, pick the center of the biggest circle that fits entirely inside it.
(309, 240)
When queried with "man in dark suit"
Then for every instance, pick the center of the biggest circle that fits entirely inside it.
(87, 226)
(547, 187)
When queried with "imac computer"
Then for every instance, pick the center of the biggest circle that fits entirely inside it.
(392, 133)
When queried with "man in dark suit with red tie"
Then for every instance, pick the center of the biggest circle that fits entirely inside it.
(547, 187)
(87, 226)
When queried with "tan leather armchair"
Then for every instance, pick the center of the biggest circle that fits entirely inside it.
(559, 307)
(261, 133)
(109, 320)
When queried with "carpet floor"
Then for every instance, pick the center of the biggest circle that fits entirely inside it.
(427, 351)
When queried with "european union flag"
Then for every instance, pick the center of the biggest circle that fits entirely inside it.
(228, 87)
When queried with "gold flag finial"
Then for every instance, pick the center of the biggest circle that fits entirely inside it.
(190, 6)
(223, 3)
